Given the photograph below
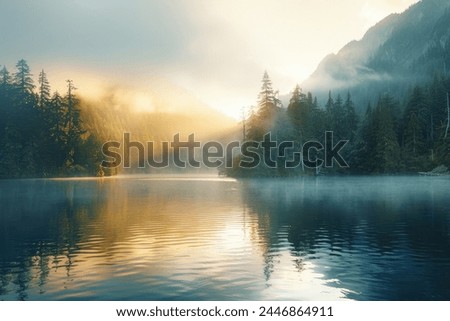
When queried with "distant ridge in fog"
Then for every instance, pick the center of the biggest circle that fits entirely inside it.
(398, 52)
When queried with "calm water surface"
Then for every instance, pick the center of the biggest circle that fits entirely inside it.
(156, 238)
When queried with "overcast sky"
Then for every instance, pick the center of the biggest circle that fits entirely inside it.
(217, 50)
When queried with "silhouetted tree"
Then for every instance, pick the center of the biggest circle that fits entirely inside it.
(23, 78)
(44, 90)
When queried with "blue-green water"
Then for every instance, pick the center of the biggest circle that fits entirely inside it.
(202, 238)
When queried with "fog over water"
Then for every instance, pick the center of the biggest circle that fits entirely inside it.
(208, 238)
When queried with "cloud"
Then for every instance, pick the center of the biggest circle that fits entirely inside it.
(217, 49)
(108, 32)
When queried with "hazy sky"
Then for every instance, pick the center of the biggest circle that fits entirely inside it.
(217, 50)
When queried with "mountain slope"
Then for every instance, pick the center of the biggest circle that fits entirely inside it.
(396, 53)
(154, 115)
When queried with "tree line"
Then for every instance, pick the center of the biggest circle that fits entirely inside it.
(42, 133)
(390, 137)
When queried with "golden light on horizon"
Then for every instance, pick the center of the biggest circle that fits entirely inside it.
(215, 51)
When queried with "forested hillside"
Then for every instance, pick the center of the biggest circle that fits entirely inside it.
(394, 136)
(41, 132)
(51, 134)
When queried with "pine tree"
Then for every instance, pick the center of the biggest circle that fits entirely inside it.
(297, 95)
(56, 122)
(415, 120)
(351, 119)
(317, 124)
(5, 77)
(329, 111)
(266, 95)
(73, 128)
(338, 119)
(267, 102)
(296, 113)
(330, 103)
(385, 152)
(44, 90)
(23, 78)
(53, 140)
(437, 94)
(262, 120)
(415, 130)
(5, 99)
(361, 158)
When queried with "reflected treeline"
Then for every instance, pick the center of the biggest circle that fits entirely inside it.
(367, 238)
(42, 227)
(78, 233)
(380, 241)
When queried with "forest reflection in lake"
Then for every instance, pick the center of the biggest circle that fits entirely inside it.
(203, 238)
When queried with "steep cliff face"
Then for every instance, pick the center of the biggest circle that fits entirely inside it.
(396, 53)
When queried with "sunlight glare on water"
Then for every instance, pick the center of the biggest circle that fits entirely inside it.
(209, 238)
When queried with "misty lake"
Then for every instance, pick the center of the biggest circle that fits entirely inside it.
(207, 238)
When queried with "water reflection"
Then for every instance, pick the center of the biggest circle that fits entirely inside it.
(375, 238)
(141, 238)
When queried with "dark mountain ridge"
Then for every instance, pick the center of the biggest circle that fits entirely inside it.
(398, 52)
